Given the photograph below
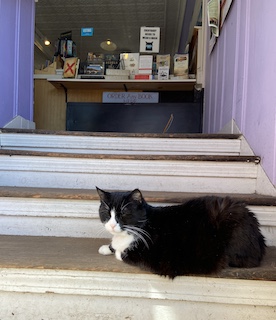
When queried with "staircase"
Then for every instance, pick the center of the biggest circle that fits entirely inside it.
(50, 231)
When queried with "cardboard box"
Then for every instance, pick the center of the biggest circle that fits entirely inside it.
(51, 69)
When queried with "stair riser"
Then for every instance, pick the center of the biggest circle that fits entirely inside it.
(151, 175)
(79, 218)
(80, 294)
(118, 145)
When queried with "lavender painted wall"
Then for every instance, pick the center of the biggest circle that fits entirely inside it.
(241, 78)
(16, 56)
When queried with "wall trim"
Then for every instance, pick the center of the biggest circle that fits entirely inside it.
(19, 122)
(264, 184)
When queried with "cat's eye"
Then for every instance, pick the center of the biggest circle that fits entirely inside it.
(125, 212)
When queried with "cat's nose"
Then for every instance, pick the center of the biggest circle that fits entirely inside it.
(113, 225)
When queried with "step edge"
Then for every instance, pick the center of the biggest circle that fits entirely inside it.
(216, 158)
(120, 134)
(150, 196)
(117, 284)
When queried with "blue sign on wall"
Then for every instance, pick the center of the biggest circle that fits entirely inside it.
(87, 32)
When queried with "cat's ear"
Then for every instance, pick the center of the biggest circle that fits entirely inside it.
(102, 194)
(136, 195)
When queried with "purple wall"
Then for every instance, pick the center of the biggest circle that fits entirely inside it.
(241, 78)
(16, 56)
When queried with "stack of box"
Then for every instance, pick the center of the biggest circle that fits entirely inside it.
(117, 74)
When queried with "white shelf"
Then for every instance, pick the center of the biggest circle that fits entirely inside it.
(124, 85)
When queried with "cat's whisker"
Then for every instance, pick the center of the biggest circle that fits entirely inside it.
(140, 233)
(100, 231)
(139, 236)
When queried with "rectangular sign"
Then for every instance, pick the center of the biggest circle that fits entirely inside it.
(149, 39)
(87, 32)
(130, 97)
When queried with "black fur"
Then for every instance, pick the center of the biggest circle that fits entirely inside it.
(200, 236)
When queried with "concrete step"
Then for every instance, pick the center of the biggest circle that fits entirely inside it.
(177, 173)
(66, 278)
(74, 213)
(118, 143)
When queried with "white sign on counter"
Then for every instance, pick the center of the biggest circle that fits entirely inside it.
(130, 97)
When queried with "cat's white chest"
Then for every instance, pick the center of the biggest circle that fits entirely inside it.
(121, 242)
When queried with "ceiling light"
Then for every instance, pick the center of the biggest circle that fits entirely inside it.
(108, 45)
(47, 42)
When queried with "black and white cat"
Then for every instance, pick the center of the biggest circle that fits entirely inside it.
(200, 236)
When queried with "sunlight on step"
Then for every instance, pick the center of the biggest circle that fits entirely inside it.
(163, 313)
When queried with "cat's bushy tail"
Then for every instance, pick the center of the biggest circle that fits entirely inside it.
(239, 228)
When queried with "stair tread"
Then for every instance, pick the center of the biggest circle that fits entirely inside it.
(248, 158)
(150, 196)
(120, 134)
(82, 254)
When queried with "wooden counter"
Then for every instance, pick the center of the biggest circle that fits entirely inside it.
(51, 95)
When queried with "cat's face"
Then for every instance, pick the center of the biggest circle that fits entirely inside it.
(122, 211)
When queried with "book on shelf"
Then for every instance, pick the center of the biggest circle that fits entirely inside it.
(112, 61)
(181, 66)
(141, 76)
(65, 48)
(163, 66)
(145, 64)
(163, 60)
(130, 61)
(163, 73)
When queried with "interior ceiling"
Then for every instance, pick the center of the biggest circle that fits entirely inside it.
(119, 21)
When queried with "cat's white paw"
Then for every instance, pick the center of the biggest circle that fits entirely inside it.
(105, 250)
(118, 255)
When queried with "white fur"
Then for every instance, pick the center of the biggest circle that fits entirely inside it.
(112, 225)
(121, 239)
(105, 250)
(121, 242)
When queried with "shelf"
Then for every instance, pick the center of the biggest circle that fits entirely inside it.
(124, 85)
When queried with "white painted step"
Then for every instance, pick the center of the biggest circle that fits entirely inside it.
(80, 218)
(64, 294)
(66, 279)
(121, 144)
(150, 173)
